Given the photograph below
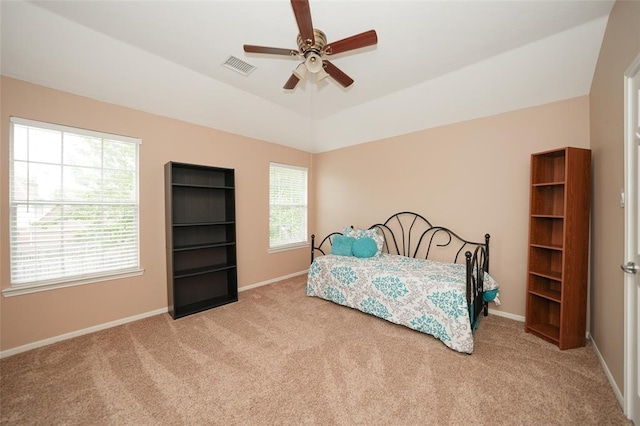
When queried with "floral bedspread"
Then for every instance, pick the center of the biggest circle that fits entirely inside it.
(424, 295)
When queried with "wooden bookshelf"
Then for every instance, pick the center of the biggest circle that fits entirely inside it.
(559, 246)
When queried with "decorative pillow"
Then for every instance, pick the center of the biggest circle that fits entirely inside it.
(376, 236)
(342, 245)
(364, 247)
(371, 233)
(350, 232)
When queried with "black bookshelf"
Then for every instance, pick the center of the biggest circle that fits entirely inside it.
(201, 237)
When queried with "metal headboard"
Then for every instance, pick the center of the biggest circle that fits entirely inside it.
(412, 235)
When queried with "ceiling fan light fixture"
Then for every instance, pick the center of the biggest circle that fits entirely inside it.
(313, 63)
(300, 71)
(321, 75)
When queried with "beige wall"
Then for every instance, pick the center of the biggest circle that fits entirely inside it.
(472, 177)
(30, 318)
(620, 46)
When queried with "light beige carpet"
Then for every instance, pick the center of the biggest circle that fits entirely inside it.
(280, 357)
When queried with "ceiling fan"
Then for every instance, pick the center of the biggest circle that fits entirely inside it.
(313, 48)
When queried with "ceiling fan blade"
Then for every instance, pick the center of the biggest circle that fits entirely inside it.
(338, 75)
(291, 83)
(303, 18)
(270, 50)
(367, 38)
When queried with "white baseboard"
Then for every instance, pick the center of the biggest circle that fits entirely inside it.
(506, 315)
(71, 335)
(607, 373)
(51, 340)
(260, 284)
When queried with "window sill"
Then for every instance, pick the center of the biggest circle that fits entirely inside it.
(36, 288)
(288, 247)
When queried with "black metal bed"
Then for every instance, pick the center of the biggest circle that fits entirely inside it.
(410, 234)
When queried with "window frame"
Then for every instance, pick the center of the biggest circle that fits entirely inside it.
(36, 285)
(297, 244)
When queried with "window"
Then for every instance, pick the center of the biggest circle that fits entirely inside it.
(287, 206)
(73, 206)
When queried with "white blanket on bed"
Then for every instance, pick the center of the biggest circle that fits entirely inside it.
(424, 295)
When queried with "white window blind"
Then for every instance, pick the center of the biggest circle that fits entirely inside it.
(287, 206)
(73, 204)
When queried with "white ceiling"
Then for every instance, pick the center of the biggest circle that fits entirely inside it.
(436, 62)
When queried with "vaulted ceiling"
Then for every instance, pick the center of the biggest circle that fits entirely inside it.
(436, 62)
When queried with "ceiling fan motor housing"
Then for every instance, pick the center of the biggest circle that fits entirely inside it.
(320, 42)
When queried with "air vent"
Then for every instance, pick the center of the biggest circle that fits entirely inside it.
(239, 65)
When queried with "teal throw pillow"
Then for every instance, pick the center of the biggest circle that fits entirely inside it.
(489, 295)
(342, 245)
(364, 247)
